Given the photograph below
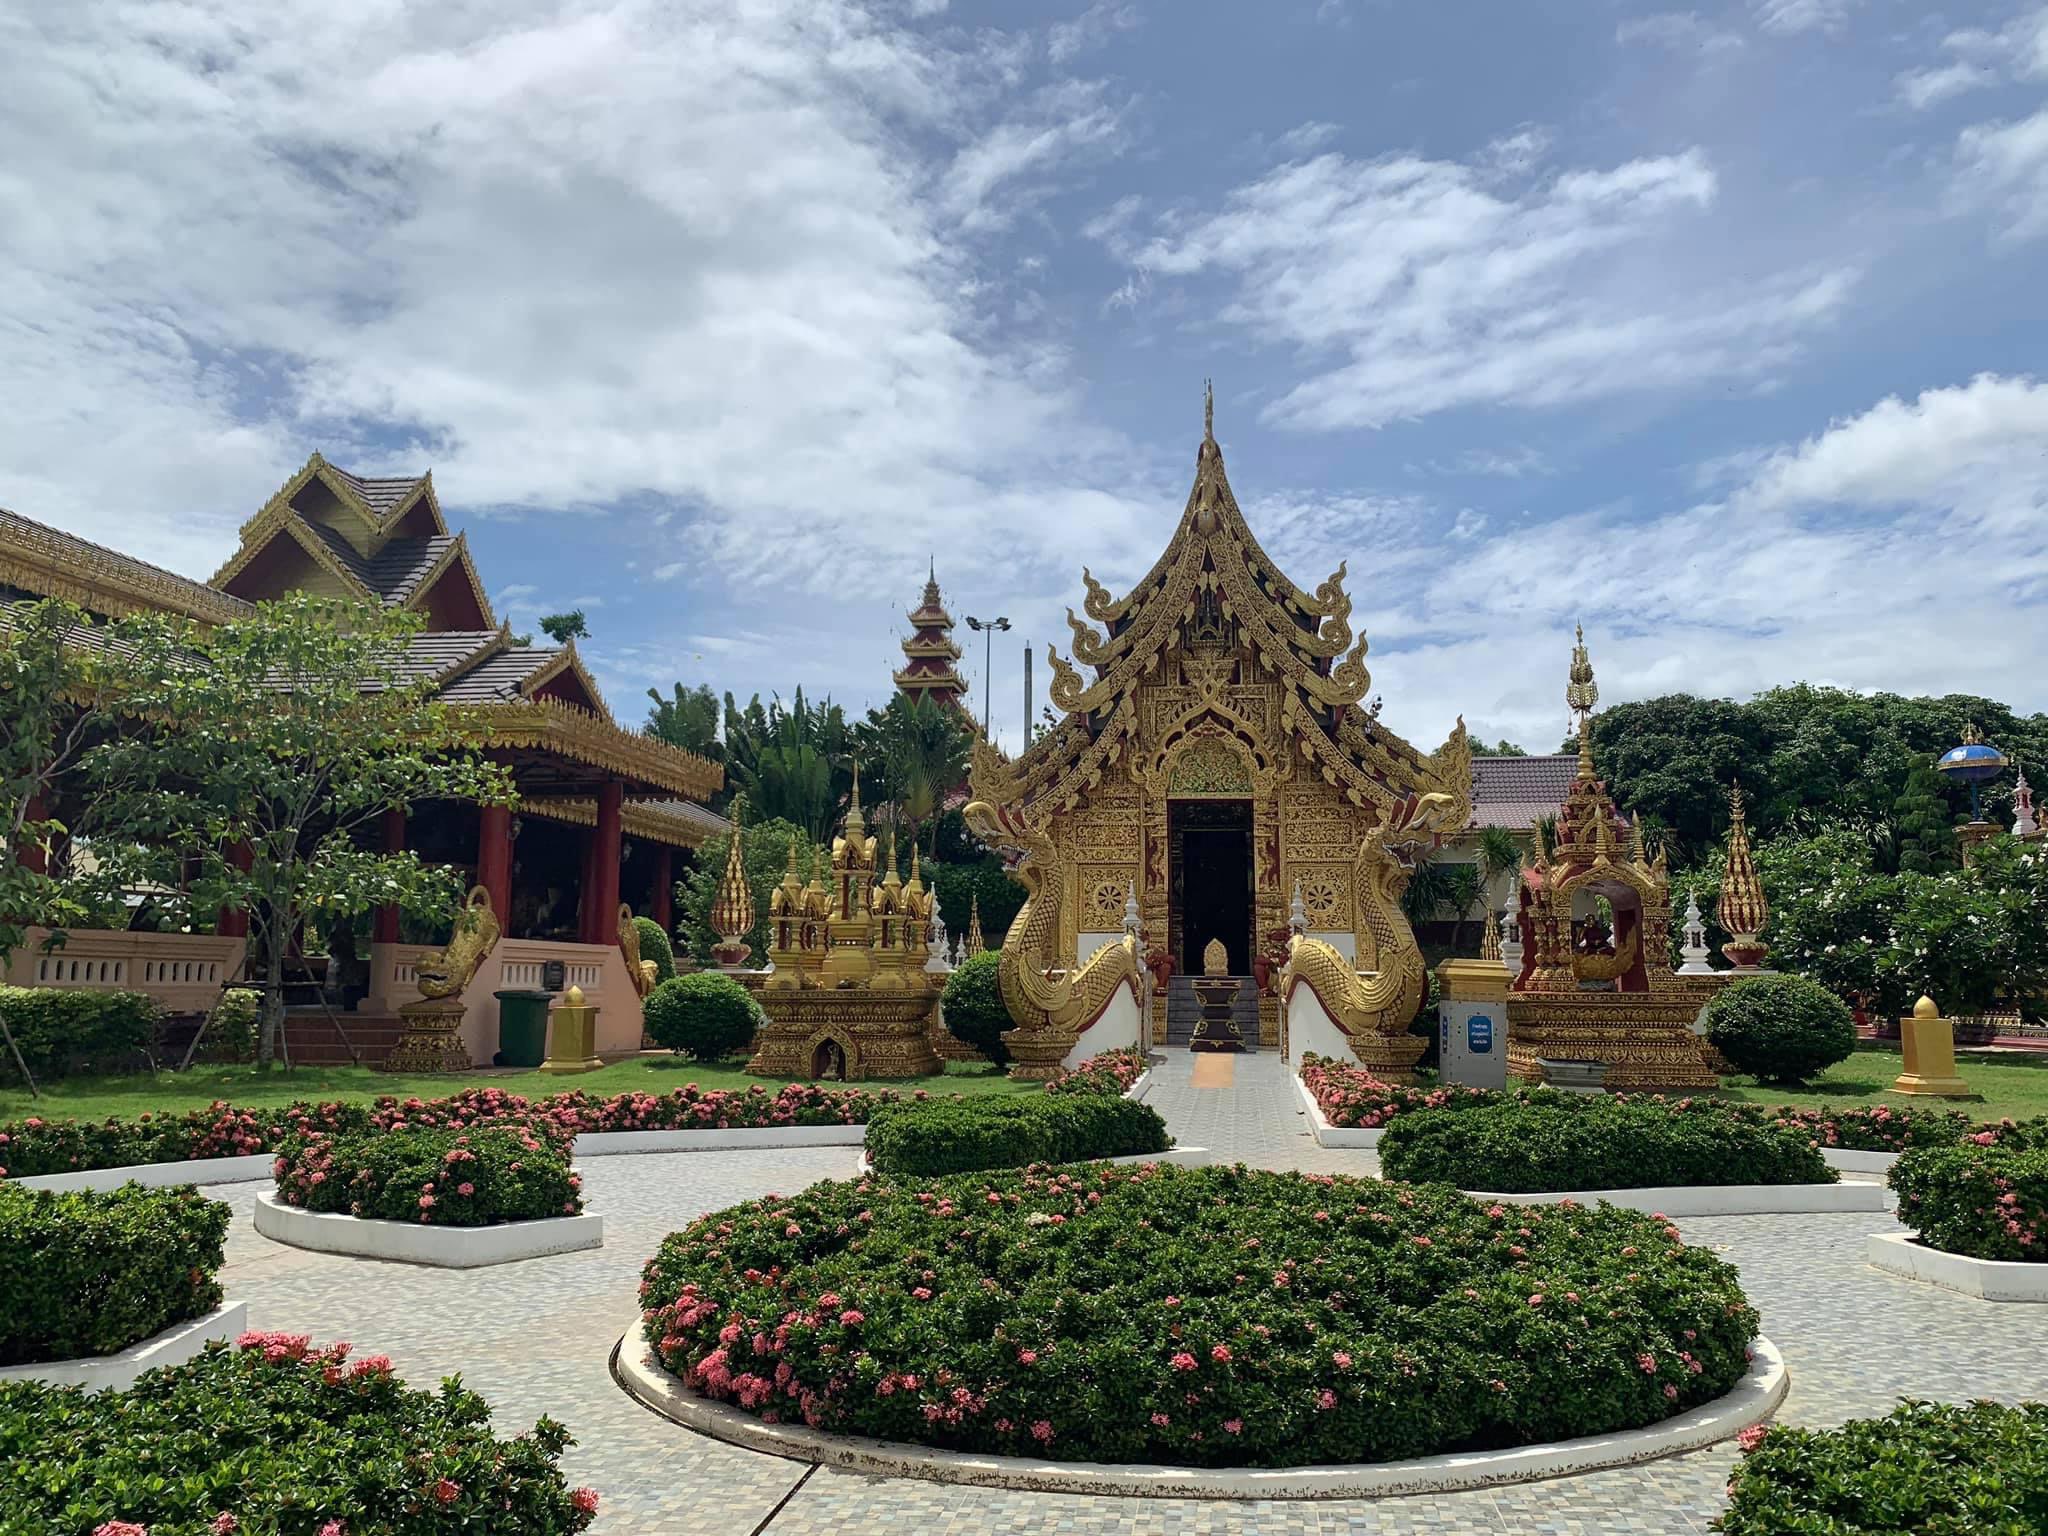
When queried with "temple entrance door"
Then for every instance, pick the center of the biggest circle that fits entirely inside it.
(1210, 881)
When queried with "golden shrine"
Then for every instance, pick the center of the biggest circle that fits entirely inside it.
(1218, 759)
(1595, 982)
(848, 995)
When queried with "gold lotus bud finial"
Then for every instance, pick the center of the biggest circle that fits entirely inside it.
(1740, 908)
(1925, 1009)
(1208, 410)
(732, 911)
(1581, 693)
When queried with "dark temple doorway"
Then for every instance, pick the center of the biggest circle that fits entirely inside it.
(1211, 879)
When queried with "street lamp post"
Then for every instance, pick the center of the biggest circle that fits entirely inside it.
(988, 627)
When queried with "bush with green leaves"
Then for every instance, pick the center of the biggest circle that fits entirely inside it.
(92, 1272)
(654, 946)
(957, 1135)
(1780, 1029)
(272, 1435)
(475, 1177)
(65, 1030)
(706, 1015)
(231, 1027)
(1209, 1316)
(1985, 1196)
(1934, 1469)
(1569, 1142)
(973, 1005)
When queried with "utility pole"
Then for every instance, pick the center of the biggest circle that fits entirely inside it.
(1027, 698)
(988, 627)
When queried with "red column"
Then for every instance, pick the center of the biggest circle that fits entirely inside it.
(33, 855)
(601, 890)
(235, 924)
(661, 904)
(384, 926)
(494, 859)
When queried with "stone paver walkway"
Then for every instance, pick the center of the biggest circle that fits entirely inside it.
(535, 1338)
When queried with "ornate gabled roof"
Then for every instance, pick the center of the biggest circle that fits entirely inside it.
(930, 652)
(382, 557)
(1214, 572)
(48, 562)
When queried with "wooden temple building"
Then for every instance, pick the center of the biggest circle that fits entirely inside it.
(605, 813)
(931, 656)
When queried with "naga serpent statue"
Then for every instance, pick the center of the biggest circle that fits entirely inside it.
(446, 971)
(1045, 993)
(1379, 1001)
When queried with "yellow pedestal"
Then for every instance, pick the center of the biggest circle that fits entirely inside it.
(572, 1036)
(1929, 1042)
(1473, 981)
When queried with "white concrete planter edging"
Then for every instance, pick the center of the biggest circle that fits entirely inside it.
(737, 1138)
(192, 1170)
(1716, 1199)
(1900, 1253)
(1328, 1135)
(1850, 1161)
(174, 1346)
(1752, 1399)
(448, 1247)
(1141, 1087)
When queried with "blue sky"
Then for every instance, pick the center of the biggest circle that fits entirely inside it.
(1713, 329)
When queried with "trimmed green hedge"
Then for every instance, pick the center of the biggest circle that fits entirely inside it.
(282, 1439)
(1780, 1028)
(654, 945)
(1192, 1316)
(1593, 1143)
(90, 1273)
(707, 1014)
(1985, 1198)
(63, 1030)
(1934, 1469)
(973, 1006)
(919, 1140)
(478, 1177)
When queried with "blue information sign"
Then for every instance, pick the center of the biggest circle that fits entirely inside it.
(1479, 1034)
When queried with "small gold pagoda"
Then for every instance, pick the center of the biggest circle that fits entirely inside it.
(1595, 983)
(1741, 909)
(847, 996)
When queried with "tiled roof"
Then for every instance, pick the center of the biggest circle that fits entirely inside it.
(83, 556)
(498, 677)
(1513, 791)
(393, 572)
(699, 818)
(383, 494)
(434, 652)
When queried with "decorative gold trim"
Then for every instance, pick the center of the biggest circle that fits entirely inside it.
(586, 737)
(52, 563)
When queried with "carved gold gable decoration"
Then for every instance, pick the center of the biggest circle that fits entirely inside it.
(1210, 768)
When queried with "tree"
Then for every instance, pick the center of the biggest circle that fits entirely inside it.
(1506, 748)
(921, 748)
(1500, 854)
(794, 763)
(290, 736)
(688, 719)
(564, 627)
(1923, 823)
(764, 854)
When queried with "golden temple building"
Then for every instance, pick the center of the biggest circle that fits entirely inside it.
(1213, 758)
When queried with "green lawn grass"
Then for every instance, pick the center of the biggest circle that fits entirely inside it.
(2013, 1085)
(95, 1098)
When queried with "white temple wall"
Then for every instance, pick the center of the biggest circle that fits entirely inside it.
(1120, 1025)
(1310, 1030)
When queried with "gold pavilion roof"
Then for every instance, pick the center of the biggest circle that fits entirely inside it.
(1299, 638)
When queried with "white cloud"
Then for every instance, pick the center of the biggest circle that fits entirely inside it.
(704, 256)
(1441, 289)
(1680, 31)
(1787, 17)
(1923, 88)
(1976, 58)
(1091, 29)
(2006, 165)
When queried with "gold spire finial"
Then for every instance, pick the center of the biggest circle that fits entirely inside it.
(1741, 909)
(1208, 410)
(1581, 693)
(1585, 749)
(732, 912)
(856, 785)
(975, 942)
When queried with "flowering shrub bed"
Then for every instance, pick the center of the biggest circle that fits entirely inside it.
(447, 1178)
(1211, 1317)
(1594, 1143)
(1986, 1201)
(1112, 1072)
(1350, 1096)
(1879, 1128)
(36, 1145)
(1935, 1469)
(960, 1135)
(275, 1436)
(91, 1274)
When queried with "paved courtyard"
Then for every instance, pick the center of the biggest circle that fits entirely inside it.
(535, 1338)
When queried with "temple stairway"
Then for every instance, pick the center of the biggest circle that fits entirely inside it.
(1184, 1009)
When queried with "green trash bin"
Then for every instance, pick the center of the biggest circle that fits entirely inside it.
(522, 1027)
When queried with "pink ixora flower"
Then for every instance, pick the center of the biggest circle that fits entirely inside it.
(445, 1491)
(1041, 1431)
(584, 1499)
(1326, 1400)
(224, 1524)
(120, 1528)
(1183, 1361)
(1220, 1353)
(1233, 1426)
(1752, 1437)
(334, 1528)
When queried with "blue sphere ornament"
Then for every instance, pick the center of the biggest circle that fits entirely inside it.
(1974, 763)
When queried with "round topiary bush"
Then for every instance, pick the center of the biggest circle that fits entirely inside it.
(1204, 1317)
(1780, 1029)
(475, 1177)
(1985, 1197)
(654, 945)
(706, 1014)
(974, 1008)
